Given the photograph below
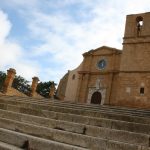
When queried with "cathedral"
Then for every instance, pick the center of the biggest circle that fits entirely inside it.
(110, 76)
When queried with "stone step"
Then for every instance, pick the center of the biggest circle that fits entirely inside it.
(5, 146)
(49, 101)
(77, 139)
(84, 106)
(76, 123)
(45, 102)
(72, 127)
(30, 99)
(87, 136)
(118, 110)
(63, 125)
(38, 107)
(35, 143)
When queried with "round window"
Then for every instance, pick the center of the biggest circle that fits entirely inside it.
(101, 64)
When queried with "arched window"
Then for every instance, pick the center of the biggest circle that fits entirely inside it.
(139, 24)
(73, 76)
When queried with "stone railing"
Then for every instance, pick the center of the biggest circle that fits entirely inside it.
(9, 90)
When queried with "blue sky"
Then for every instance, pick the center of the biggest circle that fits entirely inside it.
(46, 38)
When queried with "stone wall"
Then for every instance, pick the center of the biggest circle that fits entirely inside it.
(12, 91)
(61, 90)
(134, 73)
(9, 90)
(128, 90)
(72, 84)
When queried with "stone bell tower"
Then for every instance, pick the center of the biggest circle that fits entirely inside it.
(136, 43)
(133, 82)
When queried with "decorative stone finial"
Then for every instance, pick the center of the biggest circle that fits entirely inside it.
(52, 91)
(9, 79)
(34, 85)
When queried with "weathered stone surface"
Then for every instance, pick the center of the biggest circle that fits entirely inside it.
(35, 143)
(77, 125)
(116, 77)
(4, 146)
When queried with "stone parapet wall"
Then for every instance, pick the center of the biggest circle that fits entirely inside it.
(36, 95)
(9, 90)
(1, 93)
(13, 92)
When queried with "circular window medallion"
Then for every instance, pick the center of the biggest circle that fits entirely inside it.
(101, 64)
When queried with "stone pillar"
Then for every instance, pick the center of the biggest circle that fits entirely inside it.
(34, 85)
(52, 91)
(9, 79)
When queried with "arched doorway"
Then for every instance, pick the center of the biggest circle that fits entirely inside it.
(96, 98)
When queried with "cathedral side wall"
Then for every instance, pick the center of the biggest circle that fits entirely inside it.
(72, 85)
(62, 87)
(127, 87)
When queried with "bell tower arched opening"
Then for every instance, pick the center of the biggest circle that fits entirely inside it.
(139, 24)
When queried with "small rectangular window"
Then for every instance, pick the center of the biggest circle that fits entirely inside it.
(142, 90)
(73, 77)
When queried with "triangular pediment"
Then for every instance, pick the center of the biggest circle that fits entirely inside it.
(104, 50)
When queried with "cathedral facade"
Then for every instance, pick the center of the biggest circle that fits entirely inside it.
(109, 76)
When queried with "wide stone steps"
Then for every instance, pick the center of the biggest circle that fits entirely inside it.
(84, 141)
(6, 146)
(112, 109)
(104, 114)
(75, 123)
(71, 126)
(105, 133)
(29, 142)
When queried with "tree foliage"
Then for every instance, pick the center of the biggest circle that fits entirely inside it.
(21, 84)
(2, 79)
(43, 88)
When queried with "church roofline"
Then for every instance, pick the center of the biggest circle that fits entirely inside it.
(138, 14)
(90, 52)
(107, 47)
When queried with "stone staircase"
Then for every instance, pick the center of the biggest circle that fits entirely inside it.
(43, 124)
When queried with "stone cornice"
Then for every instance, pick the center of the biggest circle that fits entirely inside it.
(135, 71)
(133, 37)
(98, 72)
(137, 40)
(110, 71)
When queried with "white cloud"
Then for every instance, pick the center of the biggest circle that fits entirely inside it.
(66, 38)
(65, 34)
(27, 69)
(9, 53)
(20, 3)
(12, 54)
(4, 27)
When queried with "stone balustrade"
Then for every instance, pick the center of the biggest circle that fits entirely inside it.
(9, 90)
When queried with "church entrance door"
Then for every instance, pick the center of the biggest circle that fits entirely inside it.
(96, 98)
